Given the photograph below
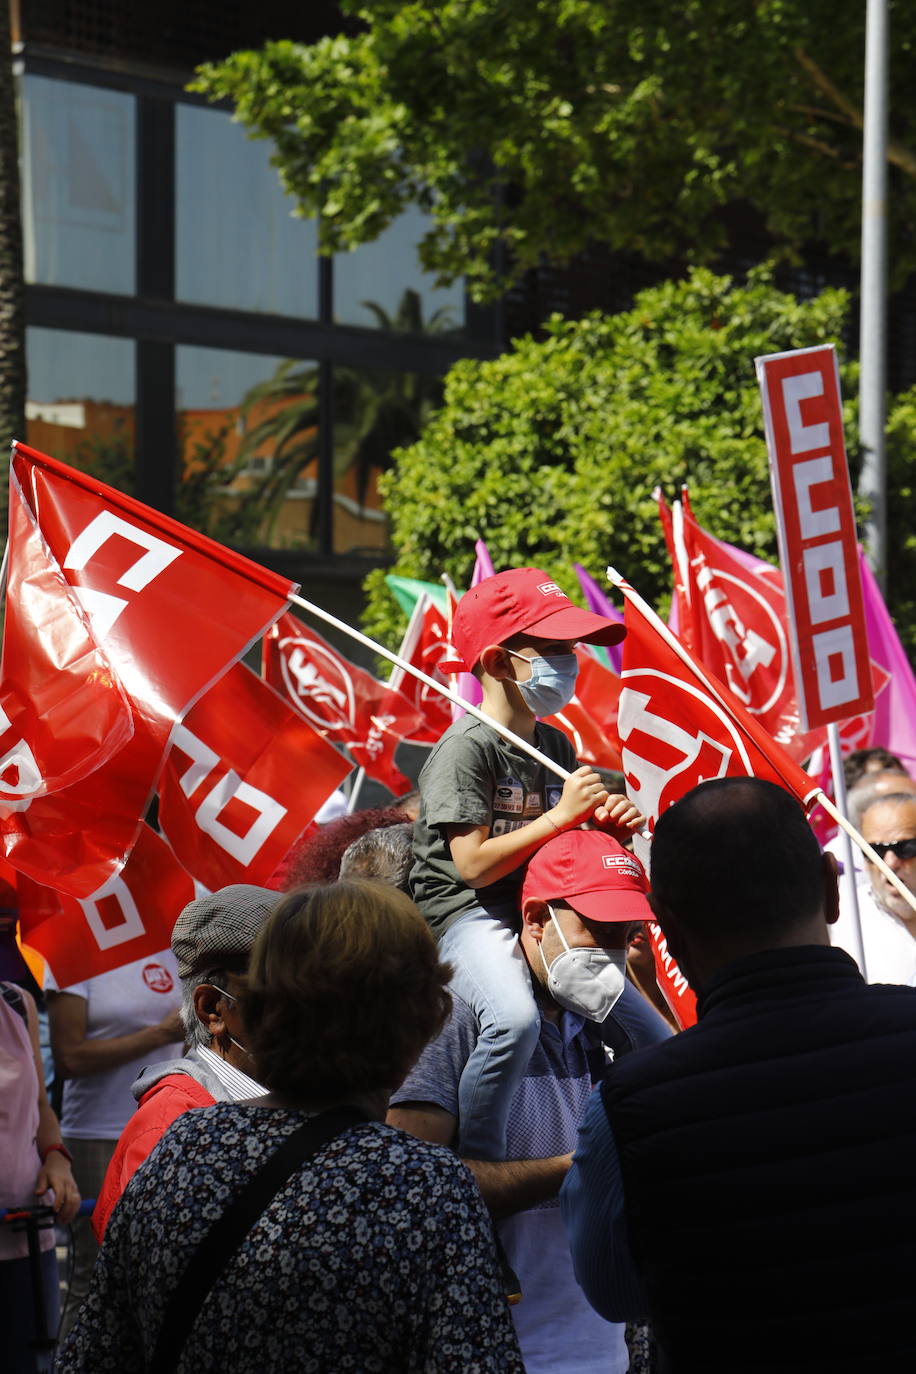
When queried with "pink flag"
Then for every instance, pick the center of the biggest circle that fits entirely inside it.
(895, 702)
(466, 684)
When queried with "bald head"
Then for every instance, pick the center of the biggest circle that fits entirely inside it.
(871, 786)
(736, 869)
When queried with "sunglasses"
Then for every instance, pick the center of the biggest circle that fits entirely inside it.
(901, 849)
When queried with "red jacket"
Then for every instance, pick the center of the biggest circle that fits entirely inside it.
(162, 1104)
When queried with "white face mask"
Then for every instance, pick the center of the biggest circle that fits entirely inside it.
(587, 981)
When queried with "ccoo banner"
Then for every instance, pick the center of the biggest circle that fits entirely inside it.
(817, 533)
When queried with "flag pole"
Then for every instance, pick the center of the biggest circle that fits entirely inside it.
(355, 789)
(531, 750)
(848, 876)
(816, 794)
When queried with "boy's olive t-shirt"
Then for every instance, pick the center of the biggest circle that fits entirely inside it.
(474, 777)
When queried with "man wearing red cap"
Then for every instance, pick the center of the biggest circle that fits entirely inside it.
(580, 896)
(487, 807)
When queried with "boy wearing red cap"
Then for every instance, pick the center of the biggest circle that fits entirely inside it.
(487, 807)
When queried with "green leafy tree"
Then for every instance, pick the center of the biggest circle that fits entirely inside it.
(546, 125)
(551, 452)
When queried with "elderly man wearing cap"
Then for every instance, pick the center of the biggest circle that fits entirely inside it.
(581, 893)
(486, 807)
(212, 941)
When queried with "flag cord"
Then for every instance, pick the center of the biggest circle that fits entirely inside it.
(816, 794)
(550, 764)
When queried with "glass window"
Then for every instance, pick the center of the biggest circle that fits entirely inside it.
(381, 284)
(78, 173)
(237, 242)
(374, 413)
(248, 446)
(81, 402)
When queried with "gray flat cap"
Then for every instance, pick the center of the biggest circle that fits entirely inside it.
(225, 923)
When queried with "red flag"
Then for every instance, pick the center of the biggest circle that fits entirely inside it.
(129, 917)
(425, 645)
(244, 776)
(590, 719)
(679, 726)
(51, 668)
(170, 610)
(340, 700)
(741, 633)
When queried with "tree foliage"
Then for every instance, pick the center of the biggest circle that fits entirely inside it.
(551, 452)
(546, 125)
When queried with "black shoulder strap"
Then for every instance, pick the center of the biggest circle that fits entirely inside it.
(217, 1249)
(14, 998)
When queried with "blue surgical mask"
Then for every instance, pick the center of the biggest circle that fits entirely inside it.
(552, 684)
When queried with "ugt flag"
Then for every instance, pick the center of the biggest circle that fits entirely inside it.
(169, 609)
(340, 700)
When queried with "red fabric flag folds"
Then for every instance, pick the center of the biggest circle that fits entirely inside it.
(167, 610)
(340, 700)
(243, 778)
(129, 917)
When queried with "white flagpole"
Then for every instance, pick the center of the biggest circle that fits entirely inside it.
(550, 764)
(816, 793)
(355, 789)
(848, 876)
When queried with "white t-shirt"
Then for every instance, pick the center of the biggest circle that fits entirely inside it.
(890, 950)
(98, 1106)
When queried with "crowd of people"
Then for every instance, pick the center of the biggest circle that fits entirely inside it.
(426, 1110)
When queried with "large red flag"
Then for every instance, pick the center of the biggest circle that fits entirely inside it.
(679, 726)
(243, 778)
(170, 610)
(51, 668)
(741, 633)
(340, 700)
(425, 645)
(129, 917)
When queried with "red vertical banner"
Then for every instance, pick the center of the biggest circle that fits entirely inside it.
(817, 534)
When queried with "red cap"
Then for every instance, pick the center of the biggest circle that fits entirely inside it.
(521, 599)
(590, 872)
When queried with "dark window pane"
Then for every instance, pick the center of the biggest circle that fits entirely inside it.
(237, 242)
(248, 443)
(381, 285)
(78, 174)
(81, 402)
(374, 413)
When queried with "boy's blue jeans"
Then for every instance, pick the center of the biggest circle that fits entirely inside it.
(491, 975)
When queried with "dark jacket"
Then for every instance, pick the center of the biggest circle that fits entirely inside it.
(768, 1157)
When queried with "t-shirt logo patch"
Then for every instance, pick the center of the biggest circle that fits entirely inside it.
(553, 795)
(508, 796)
(157, 978)
(533, 804)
